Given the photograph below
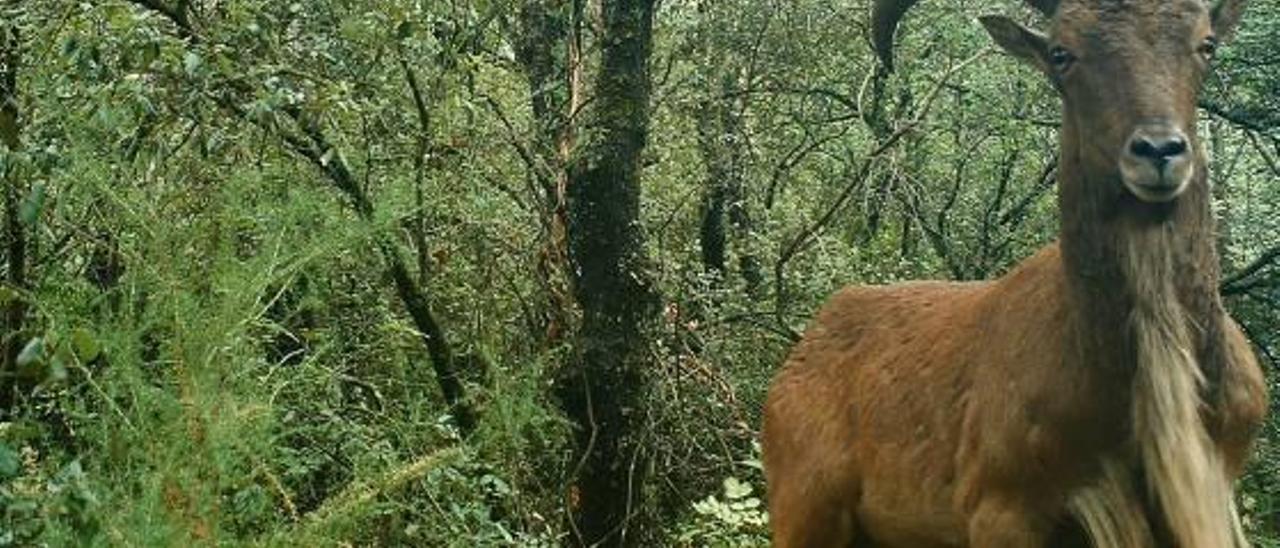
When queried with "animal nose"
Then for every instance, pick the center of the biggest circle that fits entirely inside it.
(1158, 145)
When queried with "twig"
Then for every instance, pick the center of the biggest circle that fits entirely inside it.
(359, 495)
(1232, 285)
(801, 241)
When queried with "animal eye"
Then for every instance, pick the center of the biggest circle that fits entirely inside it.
(1209, 46)
(1061, 58)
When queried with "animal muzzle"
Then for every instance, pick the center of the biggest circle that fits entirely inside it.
(1157, 162)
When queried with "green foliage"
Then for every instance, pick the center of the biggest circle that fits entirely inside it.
(736, 519)
(50, 505)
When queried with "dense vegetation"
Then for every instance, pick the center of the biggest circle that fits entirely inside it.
(496, 272)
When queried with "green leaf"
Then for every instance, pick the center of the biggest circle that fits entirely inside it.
(735, 489)
(70, 46)
(10, 463)
(150, 53)
(107, 116)
(30, 209)
(72, 472)
(8, 295)
(404, 30)
(22, 431)
(31, 352)
(57, 370)
(191, 62)
(86, 345)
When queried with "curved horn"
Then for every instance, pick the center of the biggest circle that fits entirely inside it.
(886, 14)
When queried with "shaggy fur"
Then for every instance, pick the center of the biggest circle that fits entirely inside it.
(1181, 463)
(1111, 511)
(1099, 386)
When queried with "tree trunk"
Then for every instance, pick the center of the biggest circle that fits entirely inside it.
(442, 357)
(711, 234)
(550, 51)
(603, 391)
(316, 148)
(721, 142)
(15, 310)
(877, 119)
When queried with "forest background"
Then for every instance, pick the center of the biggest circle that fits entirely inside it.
(500, 272)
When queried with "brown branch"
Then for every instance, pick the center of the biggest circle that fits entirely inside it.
(418, 227)
(1239, 118)
(533, 163)
(932, 233)
(1271, 162)
(803, 240)
(1048, 176)
(317, 149)
(793, 158)
(844, 100)
(994, 205)
(1236, 283)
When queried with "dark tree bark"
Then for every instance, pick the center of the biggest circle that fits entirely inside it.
(15, 311)
(712, 142)
(603, 391)
(711, 233)
(549, 49)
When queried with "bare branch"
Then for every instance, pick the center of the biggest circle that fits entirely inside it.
(804, 238)
(1048, 176)
(1266, 155)
(1236, 283)
(1240, 118)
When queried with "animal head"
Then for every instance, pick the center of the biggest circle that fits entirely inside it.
(1128, 72)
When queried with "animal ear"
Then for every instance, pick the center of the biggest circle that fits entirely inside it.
(1226, 15)
(1019, 41)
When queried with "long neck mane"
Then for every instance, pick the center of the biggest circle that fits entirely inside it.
(1143, 281)
(1124, 256)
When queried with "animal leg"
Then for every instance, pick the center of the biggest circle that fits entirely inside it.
(803, 516)
(1002, 524)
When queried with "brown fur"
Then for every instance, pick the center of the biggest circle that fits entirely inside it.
(931, 414)
(1100, 382)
